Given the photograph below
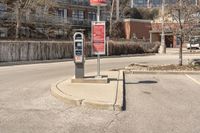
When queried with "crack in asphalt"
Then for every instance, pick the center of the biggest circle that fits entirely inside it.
(111, 122)
(36, 110)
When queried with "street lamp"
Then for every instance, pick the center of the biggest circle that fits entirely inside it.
(117, 10)
(162, 49)
(196, 2)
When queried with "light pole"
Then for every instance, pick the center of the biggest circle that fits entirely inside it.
(148, 3)
(162, 49)
(132, 4)
(117, 10)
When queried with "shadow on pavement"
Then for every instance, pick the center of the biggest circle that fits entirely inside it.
(124, 92)
(143, 82)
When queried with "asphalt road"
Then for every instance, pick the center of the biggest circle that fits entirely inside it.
(26, 105)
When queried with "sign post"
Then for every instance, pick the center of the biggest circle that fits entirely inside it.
(107, 45)
(98, 33)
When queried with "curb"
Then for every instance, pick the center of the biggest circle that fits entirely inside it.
(98, 105)
(69, 59)
(55, 91)
(118, 106)
(69, 99)
(160, 72)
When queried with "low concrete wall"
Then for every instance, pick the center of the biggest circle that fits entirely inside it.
(11, 51)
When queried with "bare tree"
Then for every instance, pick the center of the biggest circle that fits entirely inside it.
(123, 4)
(185, 16)
(23, 6)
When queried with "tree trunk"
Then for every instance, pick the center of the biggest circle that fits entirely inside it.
(18, 20)
(181, 36)
(181, 52)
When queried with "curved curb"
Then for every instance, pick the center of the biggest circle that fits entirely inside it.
(88, 103)
(118, 103)
(55, 91)
(98, 105)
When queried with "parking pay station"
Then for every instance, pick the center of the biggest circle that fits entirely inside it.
(79, 54)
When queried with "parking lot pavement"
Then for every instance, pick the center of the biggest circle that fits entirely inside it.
(154, 104)
(161, 104)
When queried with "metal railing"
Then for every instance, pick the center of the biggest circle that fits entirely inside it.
(71, 2)
(43, 19)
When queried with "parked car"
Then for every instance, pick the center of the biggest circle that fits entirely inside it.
(194, 43)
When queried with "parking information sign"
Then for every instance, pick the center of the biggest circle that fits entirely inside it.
(98, 38)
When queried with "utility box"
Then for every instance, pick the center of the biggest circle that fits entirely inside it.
(79, 57)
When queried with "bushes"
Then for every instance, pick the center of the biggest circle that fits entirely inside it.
(154, 49)
(123, 49)
(115, 48)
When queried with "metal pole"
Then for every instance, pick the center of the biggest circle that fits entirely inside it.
(98, 56)
(98, 13)
(162, 49)
(117, 10)
(132, 3)
(148, 3)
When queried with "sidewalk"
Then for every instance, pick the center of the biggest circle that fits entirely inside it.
(93, 95)
(68, 59)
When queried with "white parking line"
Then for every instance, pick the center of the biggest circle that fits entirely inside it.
(196, 81)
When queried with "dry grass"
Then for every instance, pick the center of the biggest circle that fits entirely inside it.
(163, 67)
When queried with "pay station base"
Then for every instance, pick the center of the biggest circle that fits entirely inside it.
(91, 79)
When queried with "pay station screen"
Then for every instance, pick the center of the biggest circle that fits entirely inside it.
(78, 48)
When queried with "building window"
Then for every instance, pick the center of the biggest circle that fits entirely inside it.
(81, 2)
(2, 7)
(78, 15)
(92, 16)
(141, 2)
(60, 13)
(156, 2)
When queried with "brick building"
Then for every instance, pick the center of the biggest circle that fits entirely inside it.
(150, 31)
(76, 14)
(137, 28)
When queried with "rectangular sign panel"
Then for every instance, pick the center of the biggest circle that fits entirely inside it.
(98, 38)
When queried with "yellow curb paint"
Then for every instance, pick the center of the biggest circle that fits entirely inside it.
(194, 80)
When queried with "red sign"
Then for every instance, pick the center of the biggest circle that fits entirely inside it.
(98, 2)
(98, 38)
